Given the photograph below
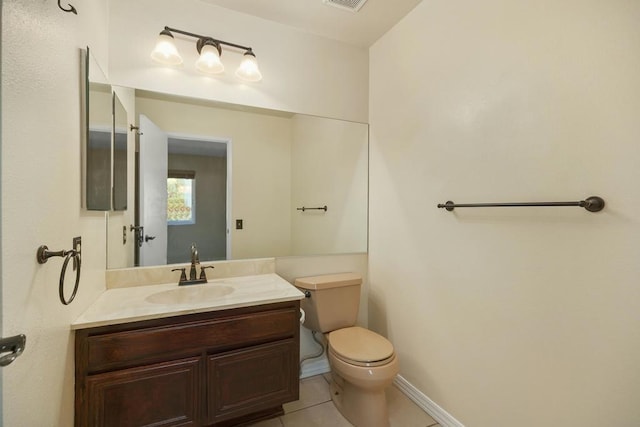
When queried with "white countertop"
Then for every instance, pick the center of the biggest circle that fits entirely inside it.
(123, 305)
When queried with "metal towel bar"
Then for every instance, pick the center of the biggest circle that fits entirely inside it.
(592, 204)
(322, 208)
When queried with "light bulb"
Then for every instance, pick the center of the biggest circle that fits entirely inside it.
(209, 61)
(248, 69)
(165, 51)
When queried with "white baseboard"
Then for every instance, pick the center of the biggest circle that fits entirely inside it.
(429, 406)
(315, 367)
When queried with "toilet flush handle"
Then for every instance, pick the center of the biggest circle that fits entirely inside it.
(307, 293)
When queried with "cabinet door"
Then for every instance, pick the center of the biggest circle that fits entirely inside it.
(252, 380)
(165, 394)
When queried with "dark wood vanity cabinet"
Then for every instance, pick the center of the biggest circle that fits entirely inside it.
(221, 368)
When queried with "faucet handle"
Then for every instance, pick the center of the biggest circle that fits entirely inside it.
(202, 275)
(183, 275)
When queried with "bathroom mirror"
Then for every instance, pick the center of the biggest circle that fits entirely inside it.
(119, 155)
(99, 125)
(105, 152)
(259, 182)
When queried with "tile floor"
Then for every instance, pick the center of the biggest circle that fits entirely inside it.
(315, 409)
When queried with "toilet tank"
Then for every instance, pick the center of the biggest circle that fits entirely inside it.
(332, 300)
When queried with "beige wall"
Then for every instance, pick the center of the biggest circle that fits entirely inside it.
(41, 199)
(510, 317)
(302, 72)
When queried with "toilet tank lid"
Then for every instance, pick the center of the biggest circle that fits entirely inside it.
(327, 281)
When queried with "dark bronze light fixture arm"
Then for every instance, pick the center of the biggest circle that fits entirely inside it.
(201, 37)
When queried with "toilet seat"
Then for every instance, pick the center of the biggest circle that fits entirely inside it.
(361, 347)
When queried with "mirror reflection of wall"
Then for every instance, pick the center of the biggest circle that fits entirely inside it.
(105, 155)
(280, 161)
(98, 146)
(120, 241)
(120, 134)
(329, 166)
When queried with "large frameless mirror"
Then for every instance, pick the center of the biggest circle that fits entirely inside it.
(243, 182)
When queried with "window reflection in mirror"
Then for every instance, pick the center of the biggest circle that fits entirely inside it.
(181, 197)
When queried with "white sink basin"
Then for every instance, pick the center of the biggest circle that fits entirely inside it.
(190, 294)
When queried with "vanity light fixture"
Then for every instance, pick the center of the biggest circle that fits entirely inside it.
(210, 51)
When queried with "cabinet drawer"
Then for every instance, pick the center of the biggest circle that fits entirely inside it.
(152, 344)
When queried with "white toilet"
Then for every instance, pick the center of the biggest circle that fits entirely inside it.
(362, 362)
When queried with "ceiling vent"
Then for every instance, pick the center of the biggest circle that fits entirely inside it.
(351, 5)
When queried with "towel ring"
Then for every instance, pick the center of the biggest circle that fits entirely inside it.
(76, 258)
(43, 254)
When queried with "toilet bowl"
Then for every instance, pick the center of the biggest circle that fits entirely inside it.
(362, 362)
(363, 365)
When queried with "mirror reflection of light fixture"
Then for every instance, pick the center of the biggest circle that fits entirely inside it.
(210, 51)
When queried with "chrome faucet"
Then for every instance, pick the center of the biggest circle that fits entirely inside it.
(195, 262)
